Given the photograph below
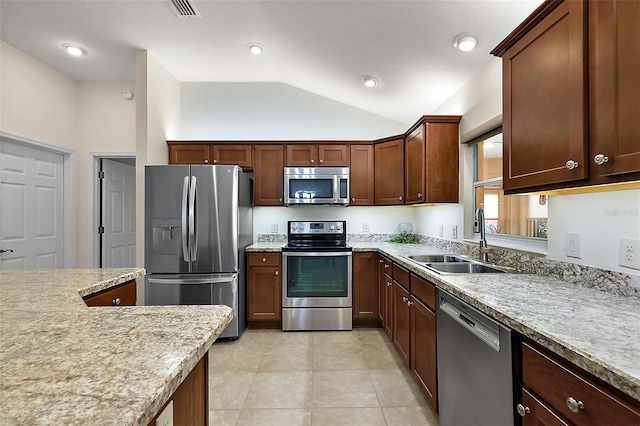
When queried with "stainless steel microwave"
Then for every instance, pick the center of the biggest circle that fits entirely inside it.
(316, 186)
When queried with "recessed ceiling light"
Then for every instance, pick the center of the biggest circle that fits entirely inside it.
(255, 48)
(465, 42)
(369, 81)
(74, 49)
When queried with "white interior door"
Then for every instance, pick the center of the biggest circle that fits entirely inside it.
(31, 208)
(118, 246)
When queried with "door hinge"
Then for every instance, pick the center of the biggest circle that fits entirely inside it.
(100, 229)
(101, 174)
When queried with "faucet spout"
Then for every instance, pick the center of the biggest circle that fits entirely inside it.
(478, 226)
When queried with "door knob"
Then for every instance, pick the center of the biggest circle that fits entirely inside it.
(6, 251)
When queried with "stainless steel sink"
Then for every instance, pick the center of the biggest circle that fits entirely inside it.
(464, 268)
(437, 258)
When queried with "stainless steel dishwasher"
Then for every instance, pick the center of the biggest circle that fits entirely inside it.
(475, 385)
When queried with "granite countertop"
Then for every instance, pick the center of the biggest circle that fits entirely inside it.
(62, 362)
(595, 330)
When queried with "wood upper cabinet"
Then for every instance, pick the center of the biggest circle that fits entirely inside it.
(312, 155)
(431, 160)
(232, 154)
(264, 287)
(571, 392)
(389, 171)
(361, 175)
(120, 295)
(268, 178)
(365, 287)
(196, 153)
(614, 91)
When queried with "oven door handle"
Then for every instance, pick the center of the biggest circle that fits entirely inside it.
(316, 253)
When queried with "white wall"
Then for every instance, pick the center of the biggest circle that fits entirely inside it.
(277, 111)
(600, 219)
(428, 220)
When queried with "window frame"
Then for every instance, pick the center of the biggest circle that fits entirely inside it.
(528, 244)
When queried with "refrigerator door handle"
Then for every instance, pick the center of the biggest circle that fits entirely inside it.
(183, 280)
(185, 246)
(193, 244)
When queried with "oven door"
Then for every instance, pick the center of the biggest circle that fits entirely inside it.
(316, 279)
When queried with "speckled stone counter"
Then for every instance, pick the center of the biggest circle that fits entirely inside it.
(595, 330)
(62, 362)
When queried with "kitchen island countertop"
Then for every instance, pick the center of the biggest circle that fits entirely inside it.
(595, 330)
(65, 363)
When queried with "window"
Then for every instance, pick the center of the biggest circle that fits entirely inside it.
(509, 217)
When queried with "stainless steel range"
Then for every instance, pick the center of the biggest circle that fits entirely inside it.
(316, 281)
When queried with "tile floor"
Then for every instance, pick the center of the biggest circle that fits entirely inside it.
(269, 377)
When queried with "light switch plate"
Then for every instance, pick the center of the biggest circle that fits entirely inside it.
(629, 253)
(365, 227)
(166, 417)
(441, 231)
(274, 228)
(454, 232)
(572, 244)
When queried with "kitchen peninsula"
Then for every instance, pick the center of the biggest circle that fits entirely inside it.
(63, 362)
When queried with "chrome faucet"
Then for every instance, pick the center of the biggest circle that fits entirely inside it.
(478, 226)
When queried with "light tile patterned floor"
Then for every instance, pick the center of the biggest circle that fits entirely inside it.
(270, 377)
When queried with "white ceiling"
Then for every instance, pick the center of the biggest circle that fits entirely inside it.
(324, 47)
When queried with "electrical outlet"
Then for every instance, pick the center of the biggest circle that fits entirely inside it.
(441, 231)
(572, 244)
(629, 253)
(274, 228)
(365, 227)
(454, 232)
(166, 417)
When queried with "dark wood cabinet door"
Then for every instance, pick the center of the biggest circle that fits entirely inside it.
(442, 161)
(545, 104)
(389, 172)
(302, 155)
(365, 286)
(414, 164)
(381, 285)
(614, 97)
(333, 156)
(232, 154)
(120, 295)
(264, 293)
(402, 322)
(388, 306)
(539, 414)
(423, 350)
(268, 178)
(361, 179)
(197, 153)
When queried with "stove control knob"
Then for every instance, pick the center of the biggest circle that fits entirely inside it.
(339, 228)
(332, 227)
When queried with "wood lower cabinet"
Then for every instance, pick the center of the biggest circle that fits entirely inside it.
(191, 399)
(232, 154)
(264, 290)
(570, 393)
(361, 179)
(385, 295)
(365, 289)
(268, 178)
(120, 295)
(402, 302)
(539, 414)
(196, 153)
(431, 157)
(423, 338)
(389, 171)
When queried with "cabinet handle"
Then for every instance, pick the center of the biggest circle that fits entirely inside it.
(570, 165)
(574, 405)
(206, 161)
(215, 161)
(522, 410)
(277, 273)
(313, 161)
(400, 198)
(321, 161)
(117, 301)
(600, 159)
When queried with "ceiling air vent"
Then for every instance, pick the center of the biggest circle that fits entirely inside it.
(184, 8)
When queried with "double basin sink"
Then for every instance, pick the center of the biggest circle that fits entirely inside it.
(446, 264)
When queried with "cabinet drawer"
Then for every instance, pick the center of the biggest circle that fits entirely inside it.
(424, 291)
(263, 259)
(401, 275)
(121, 295)
(557, 383)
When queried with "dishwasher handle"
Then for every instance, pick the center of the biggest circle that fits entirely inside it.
(488, 336)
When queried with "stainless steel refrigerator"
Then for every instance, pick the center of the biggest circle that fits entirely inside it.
(198, 223)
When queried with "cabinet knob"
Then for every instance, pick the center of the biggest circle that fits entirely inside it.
(277, 273)
(409, 302)
(574, 405)
(600, 159)
(388, 284)
(117, 301)
(353, 199)
(215, 161)
(522, 410)
(313, 161)
(386, 266)
(321, 161)
(280, 199)
(404, 299)
(264, 259)
(400, 198)
(206, 161)
(570, 165)
(419, 194)
(381, 261)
